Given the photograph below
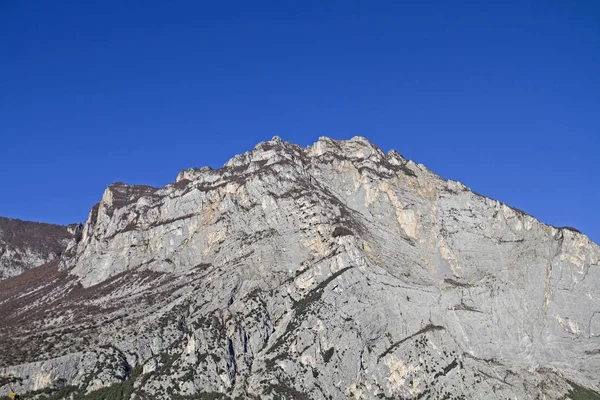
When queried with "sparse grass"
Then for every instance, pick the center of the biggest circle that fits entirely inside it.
(581, 393)
(117, 391)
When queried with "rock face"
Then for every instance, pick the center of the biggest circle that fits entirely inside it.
(24, 245)
(329, 272)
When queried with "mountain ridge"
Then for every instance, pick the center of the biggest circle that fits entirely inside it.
(291, 269)
(182, 176)
(26, 244)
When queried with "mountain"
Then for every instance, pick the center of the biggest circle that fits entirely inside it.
(328, 272)
(24, 245)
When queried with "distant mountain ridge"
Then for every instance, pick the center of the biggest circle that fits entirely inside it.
(328, 272)
(25, 245)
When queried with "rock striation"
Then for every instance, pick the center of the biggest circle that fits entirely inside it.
(328, 272)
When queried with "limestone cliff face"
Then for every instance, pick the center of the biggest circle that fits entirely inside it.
(329, 272)
(24, 245)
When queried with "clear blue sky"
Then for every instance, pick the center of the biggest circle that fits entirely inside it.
(504, 97)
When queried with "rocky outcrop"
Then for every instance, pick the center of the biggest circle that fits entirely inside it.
(25, 245)
(329, 272)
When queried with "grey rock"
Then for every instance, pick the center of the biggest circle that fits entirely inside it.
(329, 272)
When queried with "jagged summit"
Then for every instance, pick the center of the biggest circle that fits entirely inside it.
(356, 148)
(327, 272)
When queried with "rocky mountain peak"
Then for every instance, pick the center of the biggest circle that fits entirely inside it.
(326, 272)
(356, 148)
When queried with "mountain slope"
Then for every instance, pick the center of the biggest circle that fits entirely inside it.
(331, 271)
(24, 245)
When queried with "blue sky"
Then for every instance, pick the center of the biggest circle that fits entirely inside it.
(504, 96)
